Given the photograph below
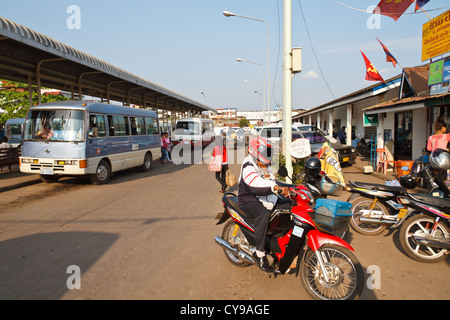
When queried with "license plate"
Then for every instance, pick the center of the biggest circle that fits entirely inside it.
(402, 213)
(297, 231)
(186, 142)
(345, 159)
(47, 171)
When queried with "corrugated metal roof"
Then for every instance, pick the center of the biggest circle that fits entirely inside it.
(22, 49)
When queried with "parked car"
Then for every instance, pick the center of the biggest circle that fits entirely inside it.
(346, 153)
(309, 127)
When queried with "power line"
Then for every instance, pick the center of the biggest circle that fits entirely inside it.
(365, 11)
(314, 51)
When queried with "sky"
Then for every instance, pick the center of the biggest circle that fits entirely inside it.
(191, 48)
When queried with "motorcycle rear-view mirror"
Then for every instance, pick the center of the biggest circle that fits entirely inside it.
(282, 171)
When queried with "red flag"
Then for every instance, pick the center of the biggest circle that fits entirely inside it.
(393, 8)
(371, 73)
(389, 56)
(420, 4)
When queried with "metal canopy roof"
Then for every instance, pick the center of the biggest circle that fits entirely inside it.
(30, 57)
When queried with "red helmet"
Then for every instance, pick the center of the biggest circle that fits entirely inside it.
(260, 149)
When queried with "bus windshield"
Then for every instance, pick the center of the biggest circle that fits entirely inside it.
(55, 125)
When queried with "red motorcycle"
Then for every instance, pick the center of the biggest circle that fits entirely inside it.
(328, 268)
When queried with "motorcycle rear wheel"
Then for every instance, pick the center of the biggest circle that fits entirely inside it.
(369, 229)
(346, 276)
(236, 241)
(422, 224)
(362, 151)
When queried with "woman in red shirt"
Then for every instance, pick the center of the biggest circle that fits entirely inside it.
(221, 150)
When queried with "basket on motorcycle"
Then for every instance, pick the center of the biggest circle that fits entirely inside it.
(332, 215)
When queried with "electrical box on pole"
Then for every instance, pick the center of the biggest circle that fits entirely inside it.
(296, 54)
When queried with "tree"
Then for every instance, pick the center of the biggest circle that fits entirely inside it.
(14, 99)
(243, 123)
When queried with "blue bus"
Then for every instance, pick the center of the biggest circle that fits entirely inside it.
(69, 138)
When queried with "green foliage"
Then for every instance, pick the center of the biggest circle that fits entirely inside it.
(15, 103)
(297, 167)
(243, 123)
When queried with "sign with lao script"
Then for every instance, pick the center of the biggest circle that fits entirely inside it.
(300, 148)
(436, 36)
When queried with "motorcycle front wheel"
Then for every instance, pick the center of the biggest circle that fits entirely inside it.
(361, 208)
(345, 274)
(421, 225)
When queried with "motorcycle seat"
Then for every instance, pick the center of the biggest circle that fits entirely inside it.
(381, 187)
(231, 200)
(443, 203)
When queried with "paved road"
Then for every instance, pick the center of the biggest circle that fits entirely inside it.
(151, 236)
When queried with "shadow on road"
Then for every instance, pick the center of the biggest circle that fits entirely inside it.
(35, 266)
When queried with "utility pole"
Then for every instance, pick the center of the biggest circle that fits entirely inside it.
(287, 85)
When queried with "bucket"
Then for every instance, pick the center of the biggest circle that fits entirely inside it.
(403, 163)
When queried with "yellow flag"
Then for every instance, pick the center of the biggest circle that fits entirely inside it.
(330, 163)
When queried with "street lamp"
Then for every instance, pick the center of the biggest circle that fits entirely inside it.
(230, 14)
(264, 87)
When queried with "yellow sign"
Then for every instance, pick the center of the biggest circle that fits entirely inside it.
(436, 36)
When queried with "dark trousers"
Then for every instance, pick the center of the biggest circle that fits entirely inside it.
(220, 176)
(261, 218)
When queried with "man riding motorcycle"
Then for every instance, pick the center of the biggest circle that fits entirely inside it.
(256, 193)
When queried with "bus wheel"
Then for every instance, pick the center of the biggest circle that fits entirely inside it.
(48, 178)
(146, 166)
(102, 174)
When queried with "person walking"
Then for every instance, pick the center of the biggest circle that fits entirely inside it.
(221, 150)
(342, 136)
(163, 148)
(167, 145)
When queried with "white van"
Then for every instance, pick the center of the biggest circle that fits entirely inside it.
(14, 130)
(193, 131)
(273, 133)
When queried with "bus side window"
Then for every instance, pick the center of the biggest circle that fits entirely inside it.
(93, 126)
(127, 126)
(101, 126)
(155, 125)
(137, 126)
(152, 126)
(111, 126)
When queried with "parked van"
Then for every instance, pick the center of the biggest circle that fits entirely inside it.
(273, 133)
(14, 130)
(194, 131)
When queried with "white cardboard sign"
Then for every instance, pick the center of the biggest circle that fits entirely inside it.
(300, 148)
